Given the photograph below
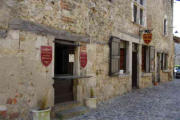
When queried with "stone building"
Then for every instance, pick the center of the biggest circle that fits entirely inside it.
(94, 44)
(177, 50)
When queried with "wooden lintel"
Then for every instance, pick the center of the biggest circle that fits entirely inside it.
(70, 77)
(66, 43)
(19, 24)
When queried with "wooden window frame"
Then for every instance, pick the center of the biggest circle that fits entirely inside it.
(164, 61)
(124, 56)
(148, 65)
(135, 13)
(140, 16)
(165, 27)
(116, 55)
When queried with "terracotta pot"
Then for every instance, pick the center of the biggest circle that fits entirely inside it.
(156, 83)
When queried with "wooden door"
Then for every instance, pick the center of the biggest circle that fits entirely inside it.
(63, 87)
(134, 70)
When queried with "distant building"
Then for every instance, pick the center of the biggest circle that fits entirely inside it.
(62, 49)
(177, 50)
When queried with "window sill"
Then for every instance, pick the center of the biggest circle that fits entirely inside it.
(139, 25)
(62, 77)
(146, 74)
(123, 75)
(166, 71)
(120, 75)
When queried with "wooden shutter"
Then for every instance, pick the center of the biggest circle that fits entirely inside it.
(143, 58)
(114, 56)
(164, 61)
(152, 59)
(166, 56)
(147, 59)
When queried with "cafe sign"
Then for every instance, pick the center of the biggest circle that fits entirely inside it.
(147, 37)
(46, 55)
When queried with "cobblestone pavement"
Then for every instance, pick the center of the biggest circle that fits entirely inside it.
(156, 103)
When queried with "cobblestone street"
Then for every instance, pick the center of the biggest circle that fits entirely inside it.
(156, 103)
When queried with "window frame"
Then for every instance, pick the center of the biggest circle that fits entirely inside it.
(148, 65)
(164, 61)
(165, 27)
(118, 56)
(139, 20)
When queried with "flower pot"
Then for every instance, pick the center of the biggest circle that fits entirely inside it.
(91, 102)
(41, 114)
(156, 83)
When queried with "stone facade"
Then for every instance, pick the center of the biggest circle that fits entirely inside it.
(25, 81)
(177, 58)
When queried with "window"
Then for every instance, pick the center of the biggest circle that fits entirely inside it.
(141, 16)
(164, 61)
(141, 2)
(118, 54)
(139, 11)
(165, 27)
(172, 2)
(123, 56)
(135, 13)
(143, 59)
(148, 59)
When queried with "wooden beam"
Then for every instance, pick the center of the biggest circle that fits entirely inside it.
(19, 24)
(70, 77)
(66, 43)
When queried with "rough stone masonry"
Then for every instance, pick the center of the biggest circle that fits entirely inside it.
(25, 81)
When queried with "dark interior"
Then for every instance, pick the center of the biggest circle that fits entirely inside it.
(62, 65)
(63, 87)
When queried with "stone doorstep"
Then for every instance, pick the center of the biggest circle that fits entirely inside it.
(69, 110)
(66, 106)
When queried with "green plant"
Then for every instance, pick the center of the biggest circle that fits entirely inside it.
(92, 93)
(43, 103)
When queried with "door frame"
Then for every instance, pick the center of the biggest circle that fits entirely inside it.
(76, 66)
(135, 49)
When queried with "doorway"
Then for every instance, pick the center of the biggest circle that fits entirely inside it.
(63, 83)
(158, 66)
(134, 66)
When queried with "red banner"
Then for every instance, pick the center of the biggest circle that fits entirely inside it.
(46, 55)
(83, 56)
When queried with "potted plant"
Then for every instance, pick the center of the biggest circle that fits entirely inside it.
(155, 83)
(92, 100)
(43, 112)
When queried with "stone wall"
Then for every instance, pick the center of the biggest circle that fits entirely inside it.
(24, 80)
(146, 81)
(165, 76)
(177, 53)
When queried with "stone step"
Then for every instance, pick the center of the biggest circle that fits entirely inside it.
(70, 113)
(66, 106)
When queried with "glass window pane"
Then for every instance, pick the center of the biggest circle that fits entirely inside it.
(141, 16)
(141, 2)
(135, 13)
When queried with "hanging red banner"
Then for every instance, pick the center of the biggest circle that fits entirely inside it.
(46, 55)
(83, 56)
(147, 38)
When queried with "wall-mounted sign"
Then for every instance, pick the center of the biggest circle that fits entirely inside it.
(71, 58)
(147, 37)
(46, 55)
(83, 56)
